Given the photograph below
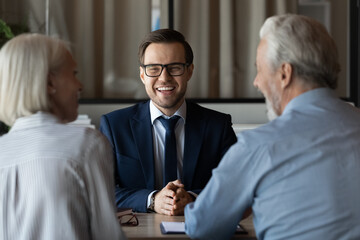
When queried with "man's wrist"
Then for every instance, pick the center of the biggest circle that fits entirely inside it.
(193, 195)
(151, 207)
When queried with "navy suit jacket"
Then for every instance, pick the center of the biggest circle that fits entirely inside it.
(208, 135)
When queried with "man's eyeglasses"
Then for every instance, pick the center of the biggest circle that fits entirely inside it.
(129, 220)
(173, 69)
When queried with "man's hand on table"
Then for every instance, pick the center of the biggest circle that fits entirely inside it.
(172, 199)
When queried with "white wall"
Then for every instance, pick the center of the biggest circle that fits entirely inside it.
(244, 115)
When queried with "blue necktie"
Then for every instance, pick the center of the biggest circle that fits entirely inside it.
(170, 160)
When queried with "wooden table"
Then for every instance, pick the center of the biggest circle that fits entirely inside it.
(149, 227)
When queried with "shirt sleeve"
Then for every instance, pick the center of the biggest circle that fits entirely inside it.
(220, 206)
(99, 183)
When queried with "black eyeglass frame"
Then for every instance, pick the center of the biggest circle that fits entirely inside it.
(129, 223)
(165, 66)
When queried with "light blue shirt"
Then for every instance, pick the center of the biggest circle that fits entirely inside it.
(300, 174)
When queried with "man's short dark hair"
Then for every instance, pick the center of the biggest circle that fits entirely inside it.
(165, 36)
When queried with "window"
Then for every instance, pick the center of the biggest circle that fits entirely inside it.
(224, 36)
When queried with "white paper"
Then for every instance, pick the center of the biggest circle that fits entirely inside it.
(173, 227)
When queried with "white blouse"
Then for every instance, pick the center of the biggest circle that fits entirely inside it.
(56, 182)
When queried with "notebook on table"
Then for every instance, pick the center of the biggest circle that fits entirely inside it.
(179, 228)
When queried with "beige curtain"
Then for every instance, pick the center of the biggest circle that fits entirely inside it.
(106, 33)
(224, 36)
(76, 22)
(126, 23)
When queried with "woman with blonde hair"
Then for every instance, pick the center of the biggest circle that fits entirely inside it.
(56, 180)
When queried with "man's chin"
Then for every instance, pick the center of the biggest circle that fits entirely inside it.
(167, 104)
(170, 103)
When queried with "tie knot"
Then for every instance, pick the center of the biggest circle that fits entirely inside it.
(169, 124)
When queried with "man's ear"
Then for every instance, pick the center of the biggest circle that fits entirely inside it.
(142, 72)
(190, 71)
(286, 75)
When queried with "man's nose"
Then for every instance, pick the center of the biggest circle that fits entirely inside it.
(164, 75)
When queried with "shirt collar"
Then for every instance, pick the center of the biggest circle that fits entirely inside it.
(34, 120)
(155, 112)
(316, 95)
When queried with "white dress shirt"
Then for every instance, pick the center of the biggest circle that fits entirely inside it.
(56, 182)
(159, 132)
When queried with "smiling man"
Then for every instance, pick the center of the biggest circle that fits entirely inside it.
(149, 175)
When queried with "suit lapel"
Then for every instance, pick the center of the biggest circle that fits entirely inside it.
(194, 134)
(142, 132)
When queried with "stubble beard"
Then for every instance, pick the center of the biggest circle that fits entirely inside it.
(272, 103)
(270, 111)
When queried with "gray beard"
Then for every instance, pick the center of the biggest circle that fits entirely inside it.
(271, 114)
